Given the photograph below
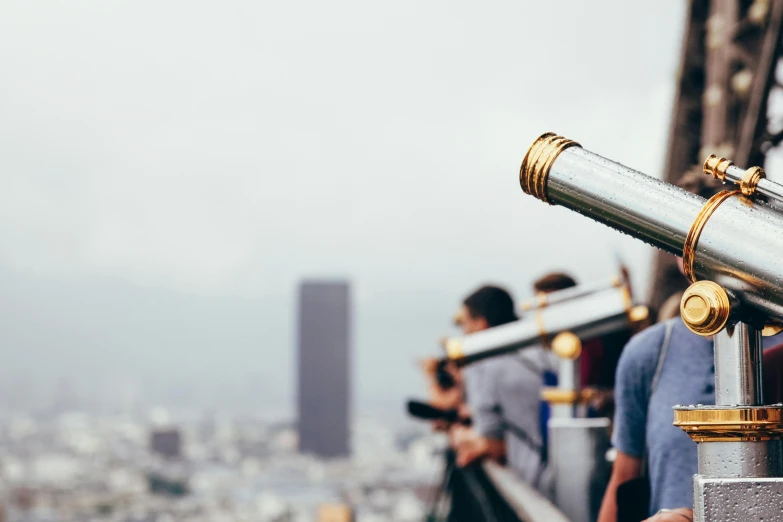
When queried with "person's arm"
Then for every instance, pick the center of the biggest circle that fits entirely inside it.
(625, 468)
(632, 388)
(471, 446)
(444, 399)
(488, 426)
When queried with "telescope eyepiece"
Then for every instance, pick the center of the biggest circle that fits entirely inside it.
(539, 159)
(716, 167)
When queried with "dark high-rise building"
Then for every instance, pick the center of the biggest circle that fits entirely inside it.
(166, 442)
(324, 366)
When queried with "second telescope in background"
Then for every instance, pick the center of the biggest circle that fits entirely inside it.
(595, 314)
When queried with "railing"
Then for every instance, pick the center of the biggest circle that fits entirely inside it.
(528, 504)
(488, 492)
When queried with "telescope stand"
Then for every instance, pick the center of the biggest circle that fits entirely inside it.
(577, 445)
(740, 453)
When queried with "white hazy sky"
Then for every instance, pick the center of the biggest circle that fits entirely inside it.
(170, 169)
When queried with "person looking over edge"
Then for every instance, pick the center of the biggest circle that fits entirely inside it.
(503, 396)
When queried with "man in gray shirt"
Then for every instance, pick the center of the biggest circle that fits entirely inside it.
(503, 395)
(504, 399)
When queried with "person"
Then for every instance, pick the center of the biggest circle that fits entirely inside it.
(503, 396)
(643, 433)
(643, 419)
(472, 496)
(445, 389)
(598, 361)
(772, 382)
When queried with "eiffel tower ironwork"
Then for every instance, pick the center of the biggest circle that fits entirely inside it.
(727, 77)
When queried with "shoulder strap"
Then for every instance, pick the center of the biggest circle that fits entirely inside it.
(667, 336)
(661, 358)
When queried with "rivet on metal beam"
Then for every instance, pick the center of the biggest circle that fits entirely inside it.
(713, 95)
(741, 83)
(758, 12)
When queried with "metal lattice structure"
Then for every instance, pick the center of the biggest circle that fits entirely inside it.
(727, 77)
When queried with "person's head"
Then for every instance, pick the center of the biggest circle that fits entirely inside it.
(486, 307)
(553, 282)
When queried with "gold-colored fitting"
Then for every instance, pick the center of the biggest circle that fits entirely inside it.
(771, 329)
(625, 291)
(541, 301)
(638, 313)
(542, 333)
(538, 160)
(566, 345)
(557, 396)
(732, 424)
(716, 167)
(705, 308)
(750, 180)
(453, 347)
(689, 248)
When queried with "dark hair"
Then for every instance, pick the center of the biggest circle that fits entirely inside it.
(553, 282)
(493, 304)
(696, 182)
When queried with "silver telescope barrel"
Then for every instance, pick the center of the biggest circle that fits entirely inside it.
(596, 314)
(734, 241)
(574, 292)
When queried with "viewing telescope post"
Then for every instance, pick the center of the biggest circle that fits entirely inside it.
(740, 448)
(734, 243)
(740, 453)
(567, 395)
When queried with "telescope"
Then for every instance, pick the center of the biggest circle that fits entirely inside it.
(731, 246)
(543, 299)
(561, 325)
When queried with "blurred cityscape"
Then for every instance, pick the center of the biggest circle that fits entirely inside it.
(163, 194)
(73, 462)
(70, 466)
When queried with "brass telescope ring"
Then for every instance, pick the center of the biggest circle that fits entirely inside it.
(689, 248)
(730, 424)
(750, 180)
(716, 167)
(453, 347)
(538, 160)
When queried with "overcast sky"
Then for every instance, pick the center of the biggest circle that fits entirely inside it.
(170, 169)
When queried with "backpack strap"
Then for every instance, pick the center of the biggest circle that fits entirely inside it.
(661, 358)
(667, 336)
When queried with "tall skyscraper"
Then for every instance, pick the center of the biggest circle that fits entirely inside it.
(323, 398)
